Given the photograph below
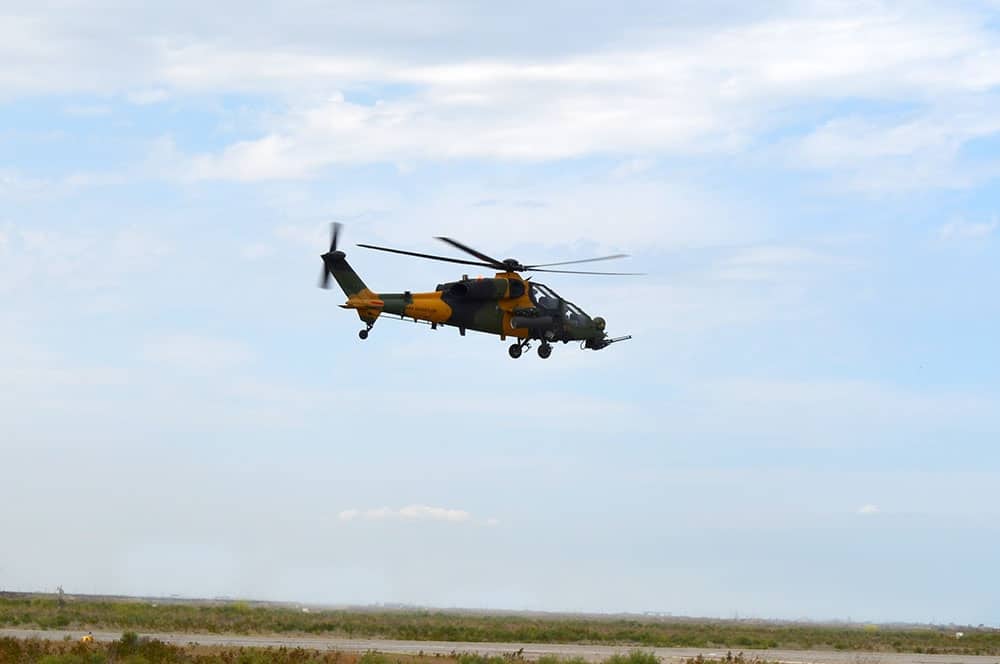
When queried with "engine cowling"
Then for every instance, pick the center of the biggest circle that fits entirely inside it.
(479, 289)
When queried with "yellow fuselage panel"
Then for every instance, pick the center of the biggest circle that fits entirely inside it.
(432, 307)
(429, 307)
(508, 305)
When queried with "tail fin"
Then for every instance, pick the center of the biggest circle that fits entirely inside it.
(349, 281)
(335, 264)
(359, 297)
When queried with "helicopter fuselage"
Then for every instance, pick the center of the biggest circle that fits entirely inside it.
(505, 305)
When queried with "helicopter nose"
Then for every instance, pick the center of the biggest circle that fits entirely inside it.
(599, 323)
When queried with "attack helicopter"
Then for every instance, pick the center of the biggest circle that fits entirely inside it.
(506, 305)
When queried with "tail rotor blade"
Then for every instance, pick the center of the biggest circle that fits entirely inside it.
(324, 277)
(334, 233)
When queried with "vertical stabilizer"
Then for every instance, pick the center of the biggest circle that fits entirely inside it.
(350, 282)
(335, 264)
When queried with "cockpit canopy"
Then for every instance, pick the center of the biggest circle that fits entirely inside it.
(550, 304)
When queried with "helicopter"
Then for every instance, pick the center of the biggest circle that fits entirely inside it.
(506, 305)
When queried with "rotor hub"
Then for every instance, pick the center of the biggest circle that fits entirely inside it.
(513, 265)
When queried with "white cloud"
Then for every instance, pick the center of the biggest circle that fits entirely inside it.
(94, 259)
(959, 229)
(683, 93)
(769, 263)
(709, 86)
(15, 186)
(845, 50)
(257, 250)
(868, 509)
(898, 153)
(88, 110)
(147, 96)
(194, 353)
(561, 213)
(820, 413)
(433, 513)
(409, 513)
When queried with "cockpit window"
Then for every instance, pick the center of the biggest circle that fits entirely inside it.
(575, 315)
(550, 303)
(545, 298)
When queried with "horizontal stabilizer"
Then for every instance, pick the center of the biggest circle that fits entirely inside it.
(367, 303)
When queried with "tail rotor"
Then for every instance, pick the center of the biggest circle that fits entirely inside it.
(324, 278)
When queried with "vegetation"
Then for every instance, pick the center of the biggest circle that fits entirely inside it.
(132, 649)
(44, 612)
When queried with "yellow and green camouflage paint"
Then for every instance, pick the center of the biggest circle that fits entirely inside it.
(504, 305)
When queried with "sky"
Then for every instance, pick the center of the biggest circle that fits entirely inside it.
(804, 425)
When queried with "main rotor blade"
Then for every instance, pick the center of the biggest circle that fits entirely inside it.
(616, 274)
(478, 254)
(430, 256)
(583, 260)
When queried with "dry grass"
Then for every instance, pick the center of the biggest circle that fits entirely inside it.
(242, 618)
(132, 649)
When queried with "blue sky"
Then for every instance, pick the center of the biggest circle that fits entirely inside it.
(804, 425)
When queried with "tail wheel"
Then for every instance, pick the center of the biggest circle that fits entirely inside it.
(363, 334)
(515, 351)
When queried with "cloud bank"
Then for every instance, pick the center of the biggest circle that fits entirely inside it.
(414, 512)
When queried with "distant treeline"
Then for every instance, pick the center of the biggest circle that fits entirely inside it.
(242, 618)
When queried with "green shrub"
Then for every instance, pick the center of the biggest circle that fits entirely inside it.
(373, 657)
(634, 657)
(553, 659)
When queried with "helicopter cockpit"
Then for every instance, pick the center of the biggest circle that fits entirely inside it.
(550, 304)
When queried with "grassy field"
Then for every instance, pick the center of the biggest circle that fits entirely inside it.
(242, 618)
(132, 649)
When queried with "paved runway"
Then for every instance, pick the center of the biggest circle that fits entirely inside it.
(531, 650)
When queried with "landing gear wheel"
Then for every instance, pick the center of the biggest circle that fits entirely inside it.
(515, 351)
(363, 334)
(544, 351)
